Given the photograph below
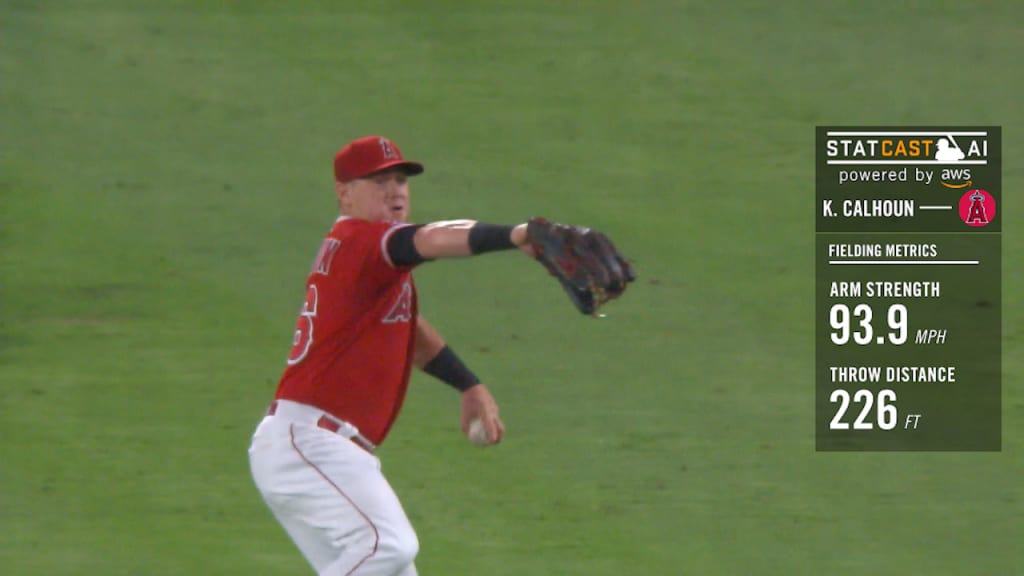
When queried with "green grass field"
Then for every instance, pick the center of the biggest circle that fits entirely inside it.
(165, 182)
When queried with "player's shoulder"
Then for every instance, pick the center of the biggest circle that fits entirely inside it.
(364, 234)
(355, 226)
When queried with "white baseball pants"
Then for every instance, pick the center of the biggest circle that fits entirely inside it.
(330, 496)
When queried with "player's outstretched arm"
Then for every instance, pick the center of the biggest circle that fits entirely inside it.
(462, 238)
(412, 245)
(586, 263)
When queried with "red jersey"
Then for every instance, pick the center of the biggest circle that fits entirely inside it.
(353, 347)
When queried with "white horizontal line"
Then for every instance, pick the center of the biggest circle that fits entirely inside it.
(961, 162)
(907, 133)
(903, 262)
(935, 207)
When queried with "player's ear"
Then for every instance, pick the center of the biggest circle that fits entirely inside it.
(341, 190)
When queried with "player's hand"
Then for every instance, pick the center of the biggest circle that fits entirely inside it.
(477, 402)
(522, 241)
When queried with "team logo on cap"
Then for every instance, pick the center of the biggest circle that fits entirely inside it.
(977, 208)
(388, 149)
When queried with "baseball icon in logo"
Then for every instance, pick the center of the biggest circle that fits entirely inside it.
(977, 208)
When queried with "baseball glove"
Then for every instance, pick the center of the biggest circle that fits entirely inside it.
(589, 267)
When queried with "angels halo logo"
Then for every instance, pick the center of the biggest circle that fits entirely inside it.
(977, 208)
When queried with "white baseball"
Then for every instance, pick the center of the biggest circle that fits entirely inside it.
(477, 433)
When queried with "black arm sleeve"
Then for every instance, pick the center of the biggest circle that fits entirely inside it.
(401, 248)
(489, 238)
(448, 368)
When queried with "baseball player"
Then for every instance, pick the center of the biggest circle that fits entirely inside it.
(357, 338)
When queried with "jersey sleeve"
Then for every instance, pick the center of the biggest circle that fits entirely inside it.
(373, 239)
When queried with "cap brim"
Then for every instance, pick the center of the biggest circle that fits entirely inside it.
(410, 168)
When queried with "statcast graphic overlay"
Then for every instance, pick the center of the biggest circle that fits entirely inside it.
(908, 301)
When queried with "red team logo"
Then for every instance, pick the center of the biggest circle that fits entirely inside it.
(401, 311)
(977, 208)
(388, 149)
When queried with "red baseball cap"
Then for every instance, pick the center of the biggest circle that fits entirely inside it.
(362, 157)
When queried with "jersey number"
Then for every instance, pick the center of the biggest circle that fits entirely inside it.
(303, 337)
